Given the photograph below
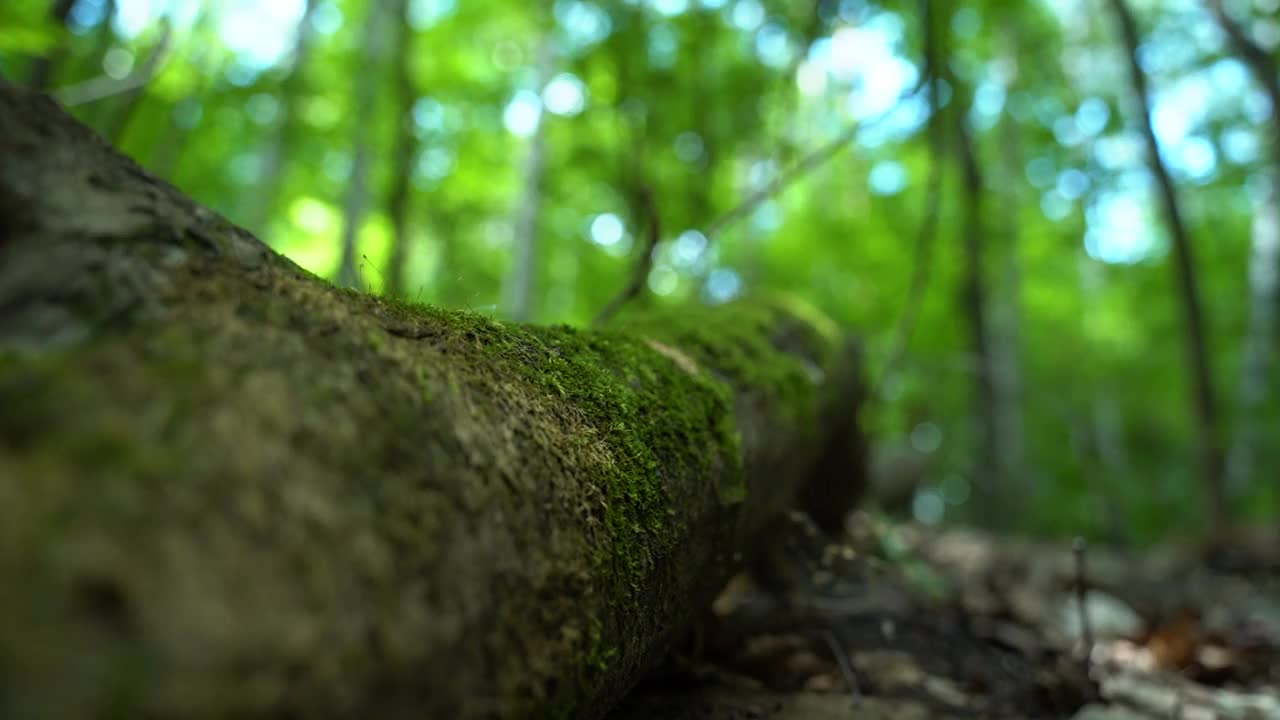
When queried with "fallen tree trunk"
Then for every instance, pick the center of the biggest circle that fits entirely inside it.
(228, 488)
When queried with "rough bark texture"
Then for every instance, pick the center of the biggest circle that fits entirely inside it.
(228, 488)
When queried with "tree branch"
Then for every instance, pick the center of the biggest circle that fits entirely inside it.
(644, 263)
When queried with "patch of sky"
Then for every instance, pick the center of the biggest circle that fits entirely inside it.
(132, 17)
(664, 44)
(773, 46)
(428, 117)
(1116, 152)
(259, 34)
(1067, 132)
(86, 15)
(689, 251)
(1166, 51)
(761, 173)
(865, 58)
(585, 23)
(607, 231)
(1257, 108)
(1240, 145)
(670, 8)
(1092, 116)
(722, 285)
(1072, 184)
(1042, 172)
(523, 113)
(327, 18)
(888, 177)
(1195, 159)
(1120, 228)
(565, 94)
(988, 99)
(1054, 206)
(433, 165)
(427, 13)
(767, 218)
(747, 15)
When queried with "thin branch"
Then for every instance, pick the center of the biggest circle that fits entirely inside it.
(1078, 548)
(1260, 62)
(807, 164)
(928, 228)
(644, 263)
(1205, 408)
(103, 87)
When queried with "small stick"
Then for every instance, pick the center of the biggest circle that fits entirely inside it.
(1078, 548)
(842, 659)
(644, 264)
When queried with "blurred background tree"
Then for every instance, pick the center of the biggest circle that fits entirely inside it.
(1067, 332)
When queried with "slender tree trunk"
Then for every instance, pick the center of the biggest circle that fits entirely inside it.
(356, 201)
(522, 285)
(1007, 314)
(40, 76)
(1205, 408)
(926, 239)
(404, 154)
(1259, 353)
(993, 488)
(275, 149)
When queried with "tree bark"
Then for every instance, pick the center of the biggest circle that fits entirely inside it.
(1208, 436)
(229, 488)
(404, 153)
(1257, 356)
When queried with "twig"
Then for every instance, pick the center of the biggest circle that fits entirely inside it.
(814, 160)
(1259, 60)
(103, 86)
(1078, 548)
(644, 263)
(842, 660)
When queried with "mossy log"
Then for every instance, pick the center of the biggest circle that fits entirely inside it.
(230, 489)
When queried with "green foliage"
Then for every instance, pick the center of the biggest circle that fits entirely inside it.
(705, 102)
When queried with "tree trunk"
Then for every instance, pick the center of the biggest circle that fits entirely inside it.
(405, 153)
(1205, 409)
(230, 489)
(522, 285)
(1255, 389)
(275, 155)
(993, 488)
(356, 201)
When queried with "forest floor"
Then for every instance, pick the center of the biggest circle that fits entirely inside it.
(899, 621)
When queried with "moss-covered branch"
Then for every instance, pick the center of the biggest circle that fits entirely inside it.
(230, 489)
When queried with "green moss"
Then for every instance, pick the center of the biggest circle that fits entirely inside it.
(621, 407)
